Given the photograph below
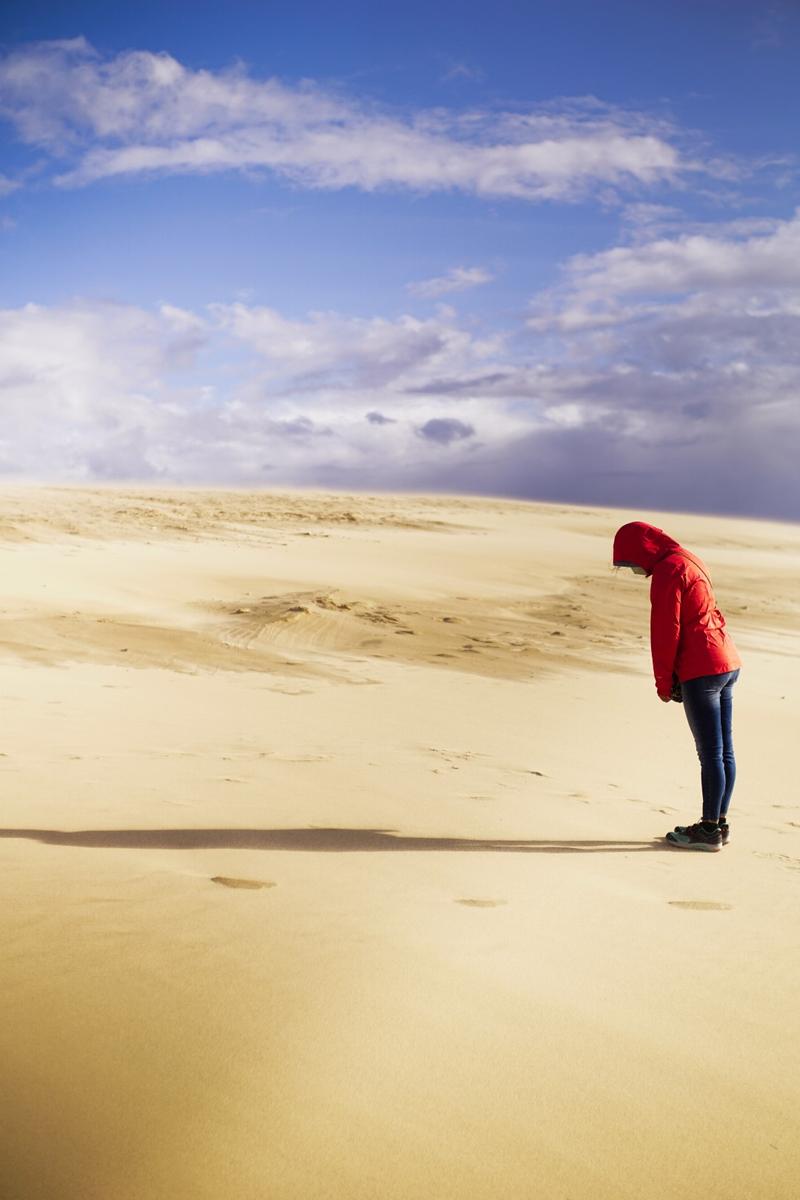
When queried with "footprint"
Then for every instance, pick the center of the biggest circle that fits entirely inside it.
(701, 905)
(470, 903)
(231, 882)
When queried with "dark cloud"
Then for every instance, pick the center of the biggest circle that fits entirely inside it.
(697, 409)
(377, 418)
(445, 430)
(452, 387)
(735, 472)
(298, 427)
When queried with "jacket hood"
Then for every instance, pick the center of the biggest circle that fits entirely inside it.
(642, 544)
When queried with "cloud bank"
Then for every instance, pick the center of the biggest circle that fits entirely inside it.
(692, 405)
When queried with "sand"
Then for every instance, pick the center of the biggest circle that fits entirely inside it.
(333, 864)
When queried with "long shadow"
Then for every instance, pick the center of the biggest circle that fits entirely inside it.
(348, 840)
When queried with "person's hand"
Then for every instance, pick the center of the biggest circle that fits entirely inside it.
(664, 699)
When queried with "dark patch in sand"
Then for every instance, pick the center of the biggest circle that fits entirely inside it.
(231, 882)
(481, 903)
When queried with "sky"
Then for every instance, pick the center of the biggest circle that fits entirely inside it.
(546, 249)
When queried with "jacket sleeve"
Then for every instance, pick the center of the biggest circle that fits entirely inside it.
(665, 626)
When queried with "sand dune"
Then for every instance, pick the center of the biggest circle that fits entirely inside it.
(332, 857)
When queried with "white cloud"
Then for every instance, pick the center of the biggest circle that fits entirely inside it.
(766, 255)
(647, 222)
(746, 267)
(142, 112)
(7, 186)
(114, 391)
(682, 354)
(356, 353)
(81, 382)
(463, 71)
(457, 279)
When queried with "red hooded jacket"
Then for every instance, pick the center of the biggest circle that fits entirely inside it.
(687, 630)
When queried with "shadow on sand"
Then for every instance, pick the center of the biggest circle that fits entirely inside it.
(348, 840)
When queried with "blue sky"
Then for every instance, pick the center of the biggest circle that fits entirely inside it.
(537, 249)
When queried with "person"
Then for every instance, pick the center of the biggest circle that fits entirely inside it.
(694, 661)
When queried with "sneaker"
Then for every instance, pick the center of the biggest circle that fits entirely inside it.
(724, 829)
(694, 837)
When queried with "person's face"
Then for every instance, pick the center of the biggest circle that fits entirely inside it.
(637, 570)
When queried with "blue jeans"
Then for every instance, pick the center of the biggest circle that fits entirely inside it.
(708, 702)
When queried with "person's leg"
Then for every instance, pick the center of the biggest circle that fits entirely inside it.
(701, 702)
(728, 757)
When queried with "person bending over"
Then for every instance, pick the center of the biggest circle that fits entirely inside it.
(694, 661)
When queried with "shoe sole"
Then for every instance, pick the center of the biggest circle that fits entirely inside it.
(707, 846)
